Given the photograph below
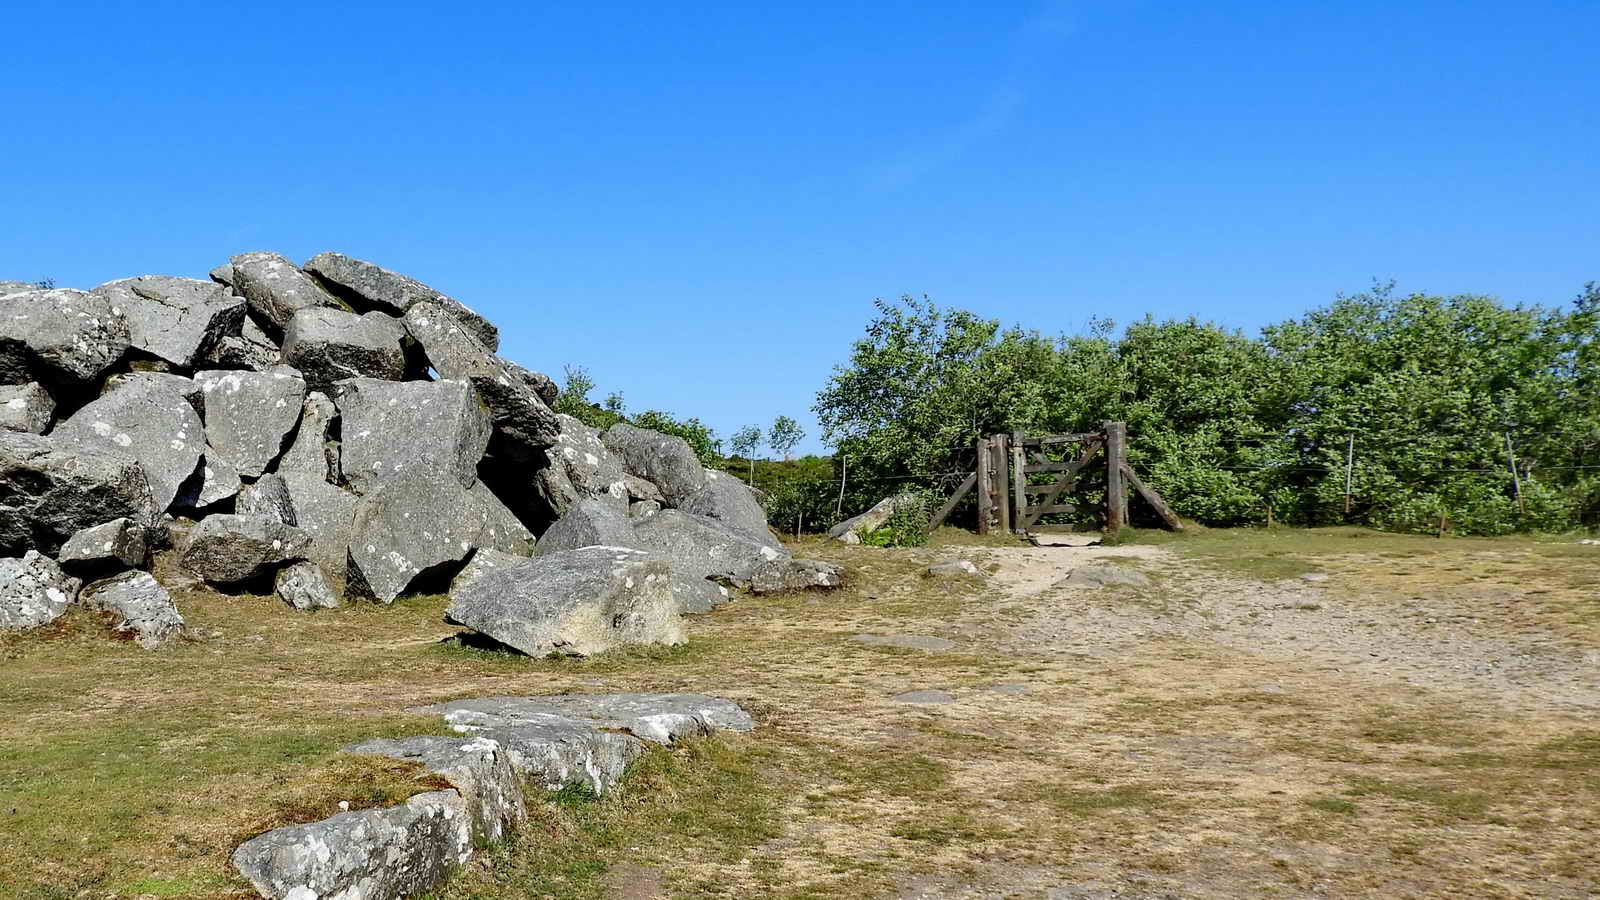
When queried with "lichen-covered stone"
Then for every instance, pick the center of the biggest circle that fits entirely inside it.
(484, 561)
(579, 602)
(251, 350)
(388, 425)
(479, 768)
(643, 509)
(698, 547)
(588, 523)
(578, 467)
(119, 543)
(226, 549)
(372, 854)
(326, 512)
(59, 336)
(275, 288)
(25, 407)
(730, 501)
(502, 530)
(373, 287)
(34, 591)
(314, 450)
(140, 607)
(248, 414)
(415, 521)
(785, 574)
(50, 489)
(667, 461)
(153, 425)
(267, 498)
(213, 482)
(303, 586)
(176, 319)
(327, 345)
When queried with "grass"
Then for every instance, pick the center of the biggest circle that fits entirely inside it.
(126, 774)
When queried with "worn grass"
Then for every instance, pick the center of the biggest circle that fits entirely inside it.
(127, 774)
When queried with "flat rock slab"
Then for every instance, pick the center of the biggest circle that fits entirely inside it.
(227, 549)
(328, 345)
(59, 336)
(577, 602)
(785, 574)
(146, 421)
(925, 698)
(1012, 688)
(906, 641)
(275, 287)
(51, 489)
(369, 854)
(955, 568)
(389, 425)
(484, 561)
(26, 408)
(478, 768)
(248, 415)
(34, 591)
(370, 286)
(141, 608)
(176, 319)
(1105, 575)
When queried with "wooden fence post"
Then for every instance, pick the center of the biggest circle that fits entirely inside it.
(1019, 482)
(1116, 499)
(1002, 483)
(984, 486)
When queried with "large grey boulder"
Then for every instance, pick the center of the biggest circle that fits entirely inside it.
(59, 337)
(643, 491)
(371, 854)
(373, 287)
(267, 498)
(51, 489)
(33, 591)
(326, 512)
(227, 549)
(153, 425)
(140, 607)
(275, 288)
(666, 461)
(413, 522)
(314, 449)
(579, 602)
(328, 344)
(522, 420)
(502, 530)
(479, 768)
(728, 500)
(784, 574)
(117, 544)
(588, 523)
(26, 408)
(176, 319)
(698, 547)
(303, 586)
(543, 386)
(248, 415)
(387, 426)
(696, 596)
(578, 467)
(643, 509)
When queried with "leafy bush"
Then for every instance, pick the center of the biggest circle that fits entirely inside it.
(908, 524)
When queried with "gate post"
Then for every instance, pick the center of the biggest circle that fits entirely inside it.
(984, 485)
(1116, 458)
(1019, 480)
(1002, 479)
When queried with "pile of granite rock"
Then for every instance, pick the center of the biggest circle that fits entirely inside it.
(339, 431)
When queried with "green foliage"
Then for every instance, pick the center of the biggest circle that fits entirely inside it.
(45, 284)
(907, 526)
(746, 441)
(1226, 426)
(785, 434)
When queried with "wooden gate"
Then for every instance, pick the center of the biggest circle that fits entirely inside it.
(1008, 500)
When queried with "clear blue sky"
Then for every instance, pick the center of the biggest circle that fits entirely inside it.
(698, 202)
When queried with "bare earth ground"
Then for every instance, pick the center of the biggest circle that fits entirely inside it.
(1420, 721)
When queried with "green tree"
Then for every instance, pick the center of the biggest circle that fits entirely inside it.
(744, 443)
(784, 435)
